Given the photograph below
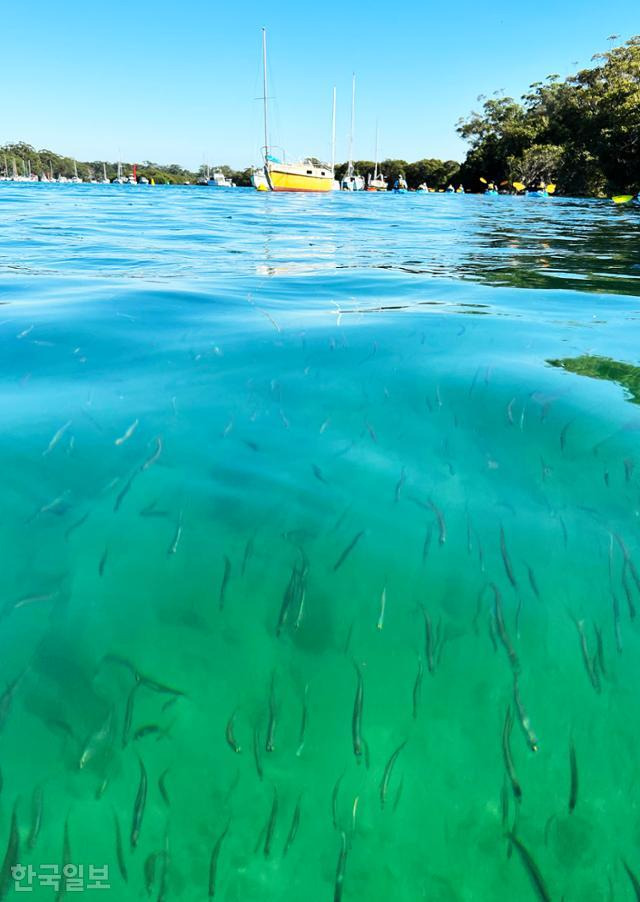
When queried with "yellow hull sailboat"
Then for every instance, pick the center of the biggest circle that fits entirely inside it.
(276, 175)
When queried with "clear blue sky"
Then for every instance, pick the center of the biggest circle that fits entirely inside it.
(177, 82)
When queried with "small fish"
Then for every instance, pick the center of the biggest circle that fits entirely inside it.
(27, 600)
(317, 472)
(155, 686)
(12, 855)
(122, 865)
(154, 456)
(506, 560)
(502, 630)
(532, 582)
(347, 551)
(563, 435)
(506, 754)
(76, 525)
(231, 739)
(271, 728)
(510, 411)
(356, 719)
(399, 485)
(97, 741)
(127, 435)
(213, 861)
(592, 671)
(532, 739)
(271, 825)
(152, 510)
(225, 579)
(248, 551)
(66, 860)
(150, 871)
(429, 643)
(103, 562)
(303, 722)
(256, 753)
(334, 800)
(340, 868)
(635, 883)
(531, 868)
(386, 777)
(417, 688)
(173, 547)
(162, 786)
(383, 604)
(139, 805)
(600, 649)
(573, 777)
(149, 730)
(56, 438)
(128, 716)
(293, 829)
(442, 526)
(124, 491)
(37, 806)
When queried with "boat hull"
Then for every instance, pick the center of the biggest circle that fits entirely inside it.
(290, 181)
(292, 177)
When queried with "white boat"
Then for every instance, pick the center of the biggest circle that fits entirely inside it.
(76, 179)
(104, 180)
(119, 180)
(351, 181)
(219, 180)
(377, 181)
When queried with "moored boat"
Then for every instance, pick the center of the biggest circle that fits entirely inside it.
(279, 175)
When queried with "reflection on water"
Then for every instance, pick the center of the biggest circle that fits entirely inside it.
(624, 374)
(313, 586)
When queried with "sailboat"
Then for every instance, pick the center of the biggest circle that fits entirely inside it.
(377, 182)
(278, 175)
(76, 178)
(119, 179)
(351, 181)
(104, 180)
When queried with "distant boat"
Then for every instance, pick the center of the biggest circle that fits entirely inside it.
(119, 180)
(219, 180)
(278, 175)
(377, 182)
(104, 180)
(133, 178)
(76, 178)
(351, 181)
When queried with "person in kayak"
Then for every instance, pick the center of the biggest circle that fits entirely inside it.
(400, 183)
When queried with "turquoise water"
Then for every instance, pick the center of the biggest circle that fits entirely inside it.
(257, 449)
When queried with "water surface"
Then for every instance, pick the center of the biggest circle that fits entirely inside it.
(258, 448)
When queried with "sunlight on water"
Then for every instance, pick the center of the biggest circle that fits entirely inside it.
(320, 544)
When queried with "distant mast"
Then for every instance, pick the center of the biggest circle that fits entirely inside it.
(264, 92)
(353, 115)
(375, 168)
(333, 134)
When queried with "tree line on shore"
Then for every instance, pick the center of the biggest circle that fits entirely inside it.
(581, 132)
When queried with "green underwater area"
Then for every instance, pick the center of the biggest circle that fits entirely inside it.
(316, 584)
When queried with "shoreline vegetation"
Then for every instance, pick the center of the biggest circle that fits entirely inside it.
(581, 133)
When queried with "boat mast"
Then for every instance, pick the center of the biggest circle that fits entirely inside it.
(333, 134)
(353, 113)
(264, 84)
(375, 170)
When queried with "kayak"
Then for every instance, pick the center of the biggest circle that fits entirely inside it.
(490, 192)
(537, 194)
